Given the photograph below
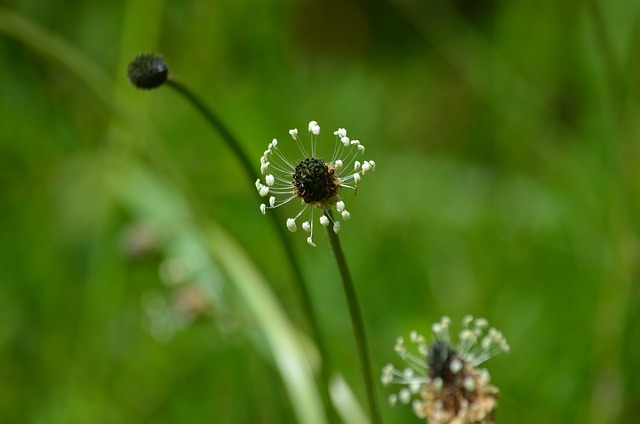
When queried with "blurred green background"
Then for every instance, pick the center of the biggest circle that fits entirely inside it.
(506, 136)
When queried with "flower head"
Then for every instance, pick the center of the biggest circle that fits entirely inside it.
(148, 71)
(442, 380)
(315, 181)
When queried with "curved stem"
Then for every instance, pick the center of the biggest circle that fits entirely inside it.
(356, 322)
(233, 144)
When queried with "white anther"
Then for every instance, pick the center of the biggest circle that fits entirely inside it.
(293, 133)
(314, 128)
(345, 141)
(291, 225)
(393, 399)
(336, 227)
(366, 167)
(263, 167)
(340, 206)
(310, 242)
(272, 201)
(456, 366)
(263, 209)
(356, 166)
(306, 226)
(404, 395)
(356, 178)
(264, 190)
(270, 180)
(469, 384)
(337, 165)
(361, 148)
(346, 215)
(274, 143)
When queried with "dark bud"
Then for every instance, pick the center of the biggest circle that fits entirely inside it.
(439, 360)
(148, 71)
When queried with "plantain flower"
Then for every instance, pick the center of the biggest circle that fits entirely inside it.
(316, 182)
(442, 380)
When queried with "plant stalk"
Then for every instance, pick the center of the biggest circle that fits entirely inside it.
(356, 322)
(232, 143)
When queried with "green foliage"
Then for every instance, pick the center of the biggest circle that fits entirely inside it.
(505, 136)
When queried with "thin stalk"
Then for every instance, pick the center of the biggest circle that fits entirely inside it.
(232, 143)
(611, 63)
(356, 322)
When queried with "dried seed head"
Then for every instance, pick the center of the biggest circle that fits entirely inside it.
(443, 381)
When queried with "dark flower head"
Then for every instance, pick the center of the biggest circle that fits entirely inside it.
(148, 71)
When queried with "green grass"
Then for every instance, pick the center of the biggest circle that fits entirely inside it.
(506, 142)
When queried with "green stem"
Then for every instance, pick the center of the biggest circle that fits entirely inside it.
(233, 144)
(612, 67)
(356, 322)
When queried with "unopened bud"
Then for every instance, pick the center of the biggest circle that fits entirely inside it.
(148, 71)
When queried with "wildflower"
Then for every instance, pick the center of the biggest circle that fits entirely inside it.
(442, 381)
(148, 71)
(316, 182)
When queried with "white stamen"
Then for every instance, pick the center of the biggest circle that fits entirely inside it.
(270, 180)
(356, 178)
(293, 133)
(314, 128)
(346, 215)
(291, 225)
(404, 395)
(336, 227)
(456, 366)
(469, 384)
(272, 201)
(393, 399)
(324, 221)
(337, 165)
(263, 209)
(310, 242)
(306, 226)
(264, 190)
(356, 166)
(340, 206)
